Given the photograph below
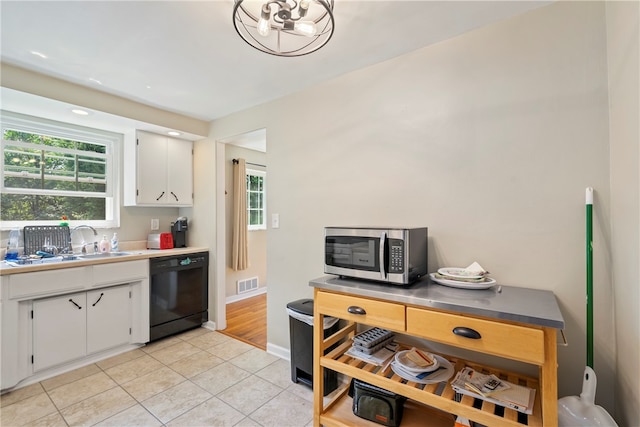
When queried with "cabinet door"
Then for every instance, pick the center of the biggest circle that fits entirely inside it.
(108, 318)
(59, 330)
(180, 172)
(152, 169)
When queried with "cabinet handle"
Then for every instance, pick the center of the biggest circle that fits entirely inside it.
(74, 303)
(354, 309)
(467, 332)
(174, 195)
(160, 196)
(101, 294)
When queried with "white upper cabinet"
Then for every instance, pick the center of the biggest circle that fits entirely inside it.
(158, 171)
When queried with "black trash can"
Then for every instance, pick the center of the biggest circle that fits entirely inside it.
(301, 339)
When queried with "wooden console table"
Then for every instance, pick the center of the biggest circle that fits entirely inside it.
(514, 323)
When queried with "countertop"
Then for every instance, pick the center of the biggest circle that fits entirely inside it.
(132, 255)
(525, 305)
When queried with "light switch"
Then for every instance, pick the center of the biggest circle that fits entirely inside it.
(275, 220)
(155, 224)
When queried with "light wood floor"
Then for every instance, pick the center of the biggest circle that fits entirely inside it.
(247, 321)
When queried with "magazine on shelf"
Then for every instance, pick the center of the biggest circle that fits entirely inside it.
(514, 396)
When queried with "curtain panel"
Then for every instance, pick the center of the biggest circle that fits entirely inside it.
(239, 250)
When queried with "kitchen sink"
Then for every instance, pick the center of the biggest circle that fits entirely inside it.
(101, 255)
(37, 261)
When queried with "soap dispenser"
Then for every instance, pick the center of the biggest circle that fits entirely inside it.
(104, 245)
(114, 243)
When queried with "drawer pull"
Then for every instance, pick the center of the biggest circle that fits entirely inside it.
(354, 309)
(467, 332)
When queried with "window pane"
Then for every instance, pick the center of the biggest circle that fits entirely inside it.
(28, 207)
(26, 168)
(254, 200)
(61, 160)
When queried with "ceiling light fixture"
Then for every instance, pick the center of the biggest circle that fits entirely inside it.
(80, 112)
(286, 27)
(174, 133)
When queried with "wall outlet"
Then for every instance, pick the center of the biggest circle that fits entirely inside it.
(155, 224)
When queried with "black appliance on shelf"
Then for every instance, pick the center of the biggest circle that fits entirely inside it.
(179, 232)
(178, 293)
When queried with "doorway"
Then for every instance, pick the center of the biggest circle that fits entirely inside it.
(241, 301)
(247, 321)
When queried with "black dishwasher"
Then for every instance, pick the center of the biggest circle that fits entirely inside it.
(178, 293)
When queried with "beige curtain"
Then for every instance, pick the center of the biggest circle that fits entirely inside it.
(240, 252)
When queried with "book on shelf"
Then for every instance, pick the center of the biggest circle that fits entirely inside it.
(478, 385)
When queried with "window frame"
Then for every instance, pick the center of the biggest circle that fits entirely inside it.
(263, 175)
(37, 125)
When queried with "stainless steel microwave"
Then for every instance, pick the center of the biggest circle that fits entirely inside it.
(394, 255)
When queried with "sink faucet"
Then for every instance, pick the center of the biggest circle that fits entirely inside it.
(84, 249)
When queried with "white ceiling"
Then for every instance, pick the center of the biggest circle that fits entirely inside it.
(185, 56)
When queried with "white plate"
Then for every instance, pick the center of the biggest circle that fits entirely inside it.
(411, 367)
(463, 285)
(435, 377)
(459, 273)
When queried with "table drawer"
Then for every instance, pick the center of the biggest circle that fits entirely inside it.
(382, 314)
(500, 339)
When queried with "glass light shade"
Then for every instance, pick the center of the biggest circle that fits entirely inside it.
(306, 28)
(264, 27)
(293, 28)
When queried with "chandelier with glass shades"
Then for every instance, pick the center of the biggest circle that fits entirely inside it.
(284, 28)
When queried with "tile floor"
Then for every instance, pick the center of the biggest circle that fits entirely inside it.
(199, 378)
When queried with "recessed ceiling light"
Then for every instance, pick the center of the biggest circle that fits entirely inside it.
(80, 112)
(174, 133)
(41, 55)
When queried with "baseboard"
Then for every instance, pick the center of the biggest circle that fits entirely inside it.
(209, 325)
(240, 297)
(281, 352)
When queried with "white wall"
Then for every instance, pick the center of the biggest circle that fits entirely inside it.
(624, 71)
(489, 139)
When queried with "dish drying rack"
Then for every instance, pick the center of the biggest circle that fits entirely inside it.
(35, 235)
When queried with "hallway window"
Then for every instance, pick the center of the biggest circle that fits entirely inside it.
(256, 200)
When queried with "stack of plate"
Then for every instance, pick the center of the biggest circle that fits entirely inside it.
(440, 370)
(462, 278)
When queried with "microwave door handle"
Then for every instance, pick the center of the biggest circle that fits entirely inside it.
(383, 245)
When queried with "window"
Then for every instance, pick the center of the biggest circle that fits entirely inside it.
(51, 169)
(256, 200)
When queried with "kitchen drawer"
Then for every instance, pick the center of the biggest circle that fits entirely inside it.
(120, 272)
(500, 339)
(49, 282)
(383, 314)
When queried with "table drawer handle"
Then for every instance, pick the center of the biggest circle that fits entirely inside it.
(467, 332)
(354, 309)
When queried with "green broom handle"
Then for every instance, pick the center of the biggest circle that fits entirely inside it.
(589, 202)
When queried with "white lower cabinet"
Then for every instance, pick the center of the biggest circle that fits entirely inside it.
(59, 330)
(108, 318)
(72, 326)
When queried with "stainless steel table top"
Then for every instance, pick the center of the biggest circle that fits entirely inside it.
(525, 305)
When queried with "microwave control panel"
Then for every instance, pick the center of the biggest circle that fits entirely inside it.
(396, 256)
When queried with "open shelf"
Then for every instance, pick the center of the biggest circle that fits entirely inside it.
(415, 415)
(439, 395)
